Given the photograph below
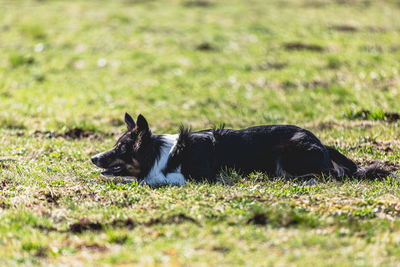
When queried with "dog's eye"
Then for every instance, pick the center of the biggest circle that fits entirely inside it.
(123, 147)
(118, 145)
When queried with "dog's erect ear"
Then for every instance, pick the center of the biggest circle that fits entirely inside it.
(130, 123)
(142, 125)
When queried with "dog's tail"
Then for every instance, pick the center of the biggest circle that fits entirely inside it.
(346, 167)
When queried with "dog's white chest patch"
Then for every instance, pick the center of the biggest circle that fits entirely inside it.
(156, 175)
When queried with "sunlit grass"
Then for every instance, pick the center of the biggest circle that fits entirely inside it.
(329, 66)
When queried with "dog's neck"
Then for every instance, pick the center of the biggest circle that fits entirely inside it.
(155, 175)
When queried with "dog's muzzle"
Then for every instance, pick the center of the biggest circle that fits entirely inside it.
(95, 160)
(109, 169)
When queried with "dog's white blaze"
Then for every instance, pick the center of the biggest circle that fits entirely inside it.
(156, 176)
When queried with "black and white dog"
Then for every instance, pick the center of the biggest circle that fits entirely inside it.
(277, 150)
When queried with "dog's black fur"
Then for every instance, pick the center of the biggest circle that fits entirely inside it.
(277, 150)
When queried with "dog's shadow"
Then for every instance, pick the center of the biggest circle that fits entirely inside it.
(235, 179)
(305, 181)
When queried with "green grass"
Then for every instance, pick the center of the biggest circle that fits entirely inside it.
(329, 66)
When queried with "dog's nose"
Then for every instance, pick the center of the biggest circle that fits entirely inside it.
(94, 159)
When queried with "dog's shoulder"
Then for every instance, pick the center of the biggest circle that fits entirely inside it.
(176, 153)
(190, 142)
(219, 132)
(185, 134)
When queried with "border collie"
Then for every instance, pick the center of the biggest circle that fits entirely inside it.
(277, 150)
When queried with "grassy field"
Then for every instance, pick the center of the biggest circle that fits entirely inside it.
(70, 69)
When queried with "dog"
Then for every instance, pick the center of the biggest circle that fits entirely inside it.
(276, 150)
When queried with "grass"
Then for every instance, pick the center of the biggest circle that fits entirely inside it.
(329, 66)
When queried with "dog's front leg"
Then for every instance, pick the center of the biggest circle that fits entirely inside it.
(175, 178)
(158, 179)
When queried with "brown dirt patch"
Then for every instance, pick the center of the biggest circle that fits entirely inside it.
(42, 252)
(49, 196)
(258, 219)
(84, 224)
(385, 146)
(220, 249)
(75, 133)
(127, 223)
(3, 161)
(173, 219)
(368, 115)
(4, 182)
(303, 46)
(52, 198)
(91, 246)
(197, 3)
(78, 133)
(19, 134)
(4, 205)
(258, 198)
(46, 228)
(345, 28)
(309, 85)
(353, 28)
(315, 4)
(334, 124)
(288, 85)
(205, 47)
(316, 84)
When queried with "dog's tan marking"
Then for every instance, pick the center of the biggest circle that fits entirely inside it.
(115, 163)
(134, 167)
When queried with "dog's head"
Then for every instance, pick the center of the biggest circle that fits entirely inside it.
(129, 156)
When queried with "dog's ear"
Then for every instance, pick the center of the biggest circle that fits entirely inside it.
(142, 125)
(130, 123)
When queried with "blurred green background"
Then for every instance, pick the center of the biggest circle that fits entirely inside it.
(77, 63)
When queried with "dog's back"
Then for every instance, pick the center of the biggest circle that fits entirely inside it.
(273, 149)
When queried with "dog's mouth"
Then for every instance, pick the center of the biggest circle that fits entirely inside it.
(113, 171)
